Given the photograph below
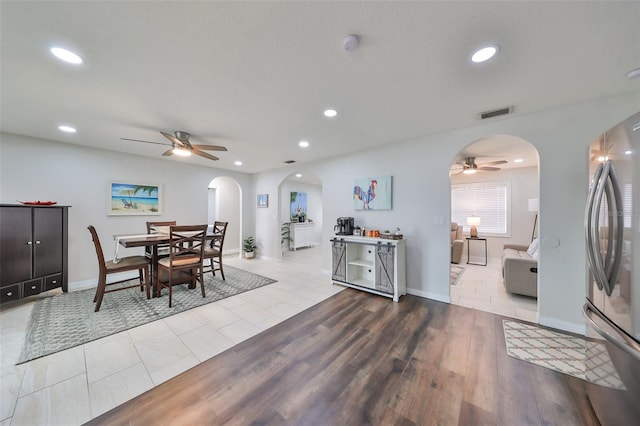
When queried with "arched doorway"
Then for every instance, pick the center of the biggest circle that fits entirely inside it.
(225, 204)
(306, 188)
(495, 186)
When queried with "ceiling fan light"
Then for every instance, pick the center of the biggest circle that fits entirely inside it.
(469, 171)
(181, 152)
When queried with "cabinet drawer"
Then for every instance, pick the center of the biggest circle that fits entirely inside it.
(11, 292)
(31, 287)
(52, 281)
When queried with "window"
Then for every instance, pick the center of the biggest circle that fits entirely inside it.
(488, 201)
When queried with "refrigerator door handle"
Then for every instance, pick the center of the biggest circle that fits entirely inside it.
(588, 220)
(609, 331)
(616, 220)
(595, 255)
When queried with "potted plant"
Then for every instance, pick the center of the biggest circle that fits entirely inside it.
(285, 234)
(249, 247)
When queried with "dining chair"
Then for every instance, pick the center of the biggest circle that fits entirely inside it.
(163, 249)
(184, 264)
(213, 250)
(124, 264)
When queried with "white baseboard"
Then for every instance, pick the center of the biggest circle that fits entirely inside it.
(93, 283)
(563, 325)
(429, 295)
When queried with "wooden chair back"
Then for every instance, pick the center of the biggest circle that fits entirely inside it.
(124, 264)
(184, 263)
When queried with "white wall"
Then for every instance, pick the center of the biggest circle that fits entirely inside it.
(421, 194)
(314, 204)
(36, 169)
(228, 209)
(524, 185)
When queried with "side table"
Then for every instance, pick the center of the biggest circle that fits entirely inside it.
(469, 239)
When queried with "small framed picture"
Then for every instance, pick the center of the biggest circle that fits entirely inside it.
(263, 200)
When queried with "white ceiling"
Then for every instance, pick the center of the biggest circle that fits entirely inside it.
(256, 76)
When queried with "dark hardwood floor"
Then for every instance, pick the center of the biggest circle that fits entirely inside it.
(360, 359)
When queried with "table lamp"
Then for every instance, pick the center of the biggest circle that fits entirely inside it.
(473, 222)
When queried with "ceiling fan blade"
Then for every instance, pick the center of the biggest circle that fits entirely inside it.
(489, 169)
(210, 147)
(168, 152)
(204, 154)
(138, 140)
(172, 139)
(493, 163)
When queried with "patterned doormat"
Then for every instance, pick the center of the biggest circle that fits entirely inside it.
(67, 320)
(575, 356)
(455, 272)
(559, 352)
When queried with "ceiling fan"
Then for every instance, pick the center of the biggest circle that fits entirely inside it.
(469, 165)
(180, 145)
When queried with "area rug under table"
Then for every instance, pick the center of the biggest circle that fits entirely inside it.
(66, 320)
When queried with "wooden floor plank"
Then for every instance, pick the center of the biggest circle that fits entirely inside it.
(358, 359)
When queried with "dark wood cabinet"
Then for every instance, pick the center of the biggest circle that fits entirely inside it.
(33, 250)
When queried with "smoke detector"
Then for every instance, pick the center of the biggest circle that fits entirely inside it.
(351, 42)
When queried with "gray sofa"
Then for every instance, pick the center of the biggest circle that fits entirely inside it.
(519, 270)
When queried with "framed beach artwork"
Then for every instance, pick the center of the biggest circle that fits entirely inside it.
(130, 199)
(263, 200)
(372, 193)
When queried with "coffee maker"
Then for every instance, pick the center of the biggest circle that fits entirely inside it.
(344, 227)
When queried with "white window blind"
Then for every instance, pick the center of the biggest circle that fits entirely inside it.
(488, 201)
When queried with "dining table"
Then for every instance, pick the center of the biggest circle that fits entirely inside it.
(153, 241)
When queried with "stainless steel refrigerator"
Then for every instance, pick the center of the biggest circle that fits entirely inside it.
(612, 308)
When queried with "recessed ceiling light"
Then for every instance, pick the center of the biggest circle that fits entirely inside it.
(330, 113)
(485, 53)
(238, 163)
(66, 55)
(518, 160)
(298, 175)
(303, 144)
(67, 129)
(633, 73)
(629, 152)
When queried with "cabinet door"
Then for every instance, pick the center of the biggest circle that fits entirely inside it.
(15, 247)
(47, 236)
(385, 267)
(339, 260)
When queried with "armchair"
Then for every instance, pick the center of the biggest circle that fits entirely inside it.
(457, 242)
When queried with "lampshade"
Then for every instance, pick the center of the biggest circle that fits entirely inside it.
(473, 222)
(534, 205)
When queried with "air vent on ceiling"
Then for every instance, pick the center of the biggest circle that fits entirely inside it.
(495, 113)
(290, 161)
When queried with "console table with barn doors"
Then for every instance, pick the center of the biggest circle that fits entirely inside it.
(375, 265)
